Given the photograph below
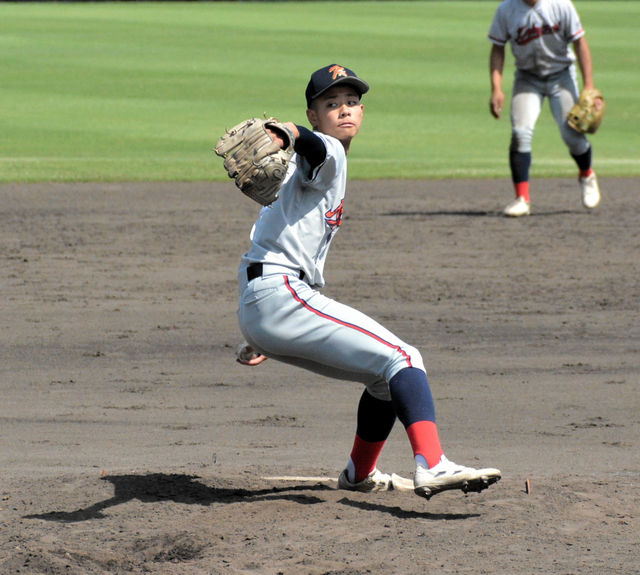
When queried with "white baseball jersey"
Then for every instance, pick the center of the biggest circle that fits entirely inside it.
(540, 35)
(296, 230)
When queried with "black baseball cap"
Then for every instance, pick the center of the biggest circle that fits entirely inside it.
(323, 79)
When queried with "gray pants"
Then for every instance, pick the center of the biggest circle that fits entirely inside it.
(528, 93)
(287, 320)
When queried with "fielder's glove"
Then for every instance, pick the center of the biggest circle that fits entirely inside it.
(254, 160)
(585, 116)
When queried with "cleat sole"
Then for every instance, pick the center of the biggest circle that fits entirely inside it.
(473, 485)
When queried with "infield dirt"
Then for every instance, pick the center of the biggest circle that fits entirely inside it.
(133, 443)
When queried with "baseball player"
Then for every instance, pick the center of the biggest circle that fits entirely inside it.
(541, 33)
(284, 317)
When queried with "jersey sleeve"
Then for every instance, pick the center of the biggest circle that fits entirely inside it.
(311, 147)
(323, 175)
(498, 32)
(573, 26)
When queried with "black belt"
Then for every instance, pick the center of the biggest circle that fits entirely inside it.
(255, 271)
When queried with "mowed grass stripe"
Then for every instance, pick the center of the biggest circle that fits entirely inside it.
(142, 91)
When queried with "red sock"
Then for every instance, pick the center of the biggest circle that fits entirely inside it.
(522, 190)
(423, 436)
(365, 456)
(586, 173)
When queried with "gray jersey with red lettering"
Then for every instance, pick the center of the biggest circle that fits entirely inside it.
(540, 35)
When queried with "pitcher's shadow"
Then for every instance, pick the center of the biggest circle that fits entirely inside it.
(186, 489)
(156, 487)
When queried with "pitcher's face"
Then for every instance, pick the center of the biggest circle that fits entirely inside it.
(338, 113)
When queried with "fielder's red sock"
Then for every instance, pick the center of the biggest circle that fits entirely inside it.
(424, 439)
(522, 190)
(364, 457)
(586, 173)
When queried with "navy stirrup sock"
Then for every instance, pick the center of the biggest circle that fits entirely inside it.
(411, 396)
(583, 160)
(375, 418)
(520, 163)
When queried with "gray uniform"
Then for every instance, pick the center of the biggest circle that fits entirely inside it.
(541, 38)
(284, 316)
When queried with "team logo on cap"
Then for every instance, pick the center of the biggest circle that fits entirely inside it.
(336, 71)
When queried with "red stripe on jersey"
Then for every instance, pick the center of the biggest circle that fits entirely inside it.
(498, 41)
(344, 323)
(578, 33)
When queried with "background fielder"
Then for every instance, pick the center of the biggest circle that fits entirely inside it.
(541, 33)
(283, 316)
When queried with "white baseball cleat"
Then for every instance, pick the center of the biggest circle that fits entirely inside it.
(447, 475)
(518, 208)
(375, 481)
(590, 191)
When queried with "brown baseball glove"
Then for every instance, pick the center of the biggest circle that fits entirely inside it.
(587, 113)
(254, 160)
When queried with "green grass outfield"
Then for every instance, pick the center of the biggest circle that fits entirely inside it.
(142, 91)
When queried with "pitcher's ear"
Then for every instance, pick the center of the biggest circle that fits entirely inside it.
(312, 116)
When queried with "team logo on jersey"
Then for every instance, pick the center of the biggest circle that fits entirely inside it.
(337, 71)
(334, 217)
(526, 35)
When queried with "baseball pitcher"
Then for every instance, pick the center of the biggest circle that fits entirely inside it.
(283, 315)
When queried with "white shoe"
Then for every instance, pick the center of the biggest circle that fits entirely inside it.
(375, 481)
(447, 475)
(590, 191)
(518, 208)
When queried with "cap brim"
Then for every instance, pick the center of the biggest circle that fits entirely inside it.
(357, 83)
